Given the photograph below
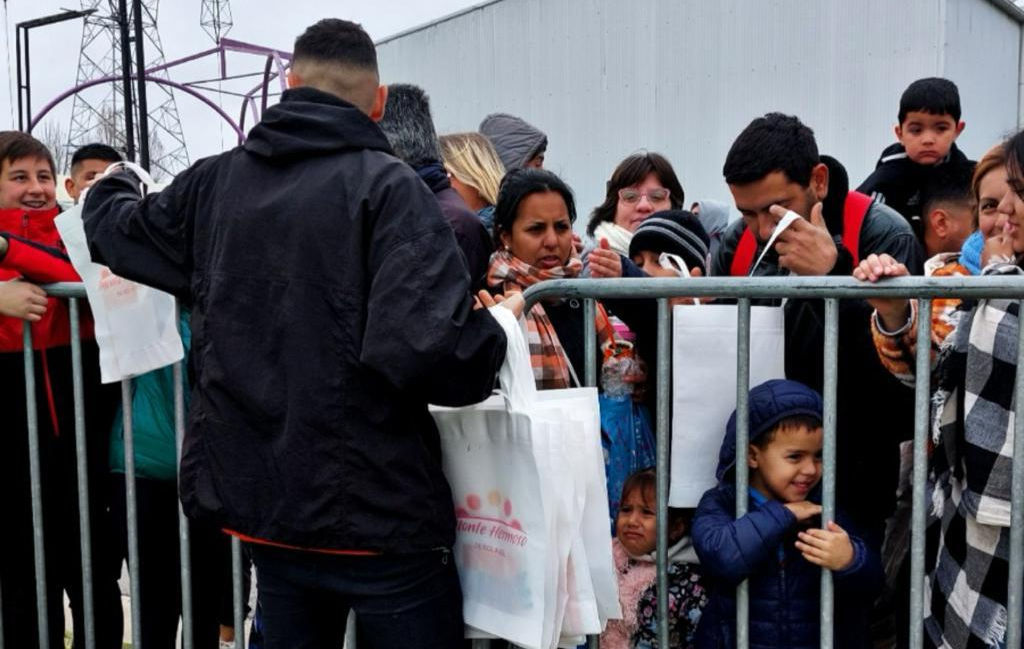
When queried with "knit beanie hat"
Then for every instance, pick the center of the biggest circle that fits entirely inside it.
(768, 404)
(674, 231)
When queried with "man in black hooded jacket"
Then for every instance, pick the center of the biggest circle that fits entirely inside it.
(330, 304)
(774, 166)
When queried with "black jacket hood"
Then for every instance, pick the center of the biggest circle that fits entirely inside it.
(312, 122)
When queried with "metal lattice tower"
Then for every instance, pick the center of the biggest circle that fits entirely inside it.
(215, 18)
(99, 116)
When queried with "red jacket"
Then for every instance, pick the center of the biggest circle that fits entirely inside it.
(35, 252)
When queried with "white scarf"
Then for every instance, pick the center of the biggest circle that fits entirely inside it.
(618, 237)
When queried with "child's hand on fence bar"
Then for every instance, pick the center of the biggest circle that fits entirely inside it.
(829, 548)
(605, 262)
(806, 247)
(23, 300)
(803, 510)
(893, 312)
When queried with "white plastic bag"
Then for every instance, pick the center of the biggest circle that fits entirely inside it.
(704, 386)
(136, 326)
(554, 497)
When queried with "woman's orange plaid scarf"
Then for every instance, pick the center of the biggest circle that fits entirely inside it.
(551, 368)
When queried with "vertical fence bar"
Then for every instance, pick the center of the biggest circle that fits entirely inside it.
(828, 492)
(589, 341)
(184, 544)
(742, 441)
(922, 417)
(664, 394)
(36, 487)
(82, 468)
(237, 586)
(1, 618)
(134, 569)
(590, 380)
(1015, 596)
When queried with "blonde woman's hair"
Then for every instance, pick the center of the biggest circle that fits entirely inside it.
(471, 158)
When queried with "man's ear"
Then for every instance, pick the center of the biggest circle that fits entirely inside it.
(960, 127)
(898, 130)
(938, 222)
(819, 180)
(294, 81)
(380, 101)
(752, 456)
(69, 186)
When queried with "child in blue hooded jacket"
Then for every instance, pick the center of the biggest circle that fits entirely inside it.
(776, 545)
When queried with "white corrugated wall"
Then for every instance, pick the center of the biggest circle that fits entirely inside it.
(683, 77)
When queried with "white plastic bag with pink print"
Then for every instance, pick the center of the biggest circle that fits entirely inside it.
(136, 325)
(533, 546)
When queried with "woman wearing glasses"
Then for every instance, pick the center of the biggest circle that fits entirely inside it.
(642, 184)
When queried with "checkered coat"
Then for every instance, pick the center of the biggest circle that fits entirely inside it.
(972, 429)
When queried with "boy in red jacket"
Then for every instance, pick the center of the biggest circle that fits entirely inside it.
(31, 253)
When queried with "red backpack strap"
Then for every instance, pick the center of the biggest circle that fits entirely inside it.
(744, 255)
(854, 211)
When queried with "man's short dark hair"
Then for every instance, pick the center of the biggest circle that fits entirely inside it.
(775, 142)
(15, 145)
(408, 125)
(333, 40)
(932, 95)
(947, 184)
(95, 151)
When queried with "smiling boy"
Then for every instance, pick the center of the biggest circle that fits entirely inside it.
(776, 546)
(31, 253)
(928, 126)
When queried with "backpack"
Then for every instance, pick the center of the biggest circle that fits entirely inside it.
(855, 210)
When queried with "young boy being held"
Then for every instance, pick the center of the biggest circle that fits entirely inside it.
(929, 123)
(775, 545)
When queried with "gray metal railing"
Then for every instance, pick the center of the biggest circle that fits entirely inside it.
(831, 290)
(75, 292)
(744, 290)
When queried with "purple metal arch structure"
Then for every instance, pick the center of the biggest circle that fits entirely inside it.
(276, 67)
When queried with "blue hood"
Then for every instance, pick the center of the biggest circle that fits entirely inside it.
(769, 403)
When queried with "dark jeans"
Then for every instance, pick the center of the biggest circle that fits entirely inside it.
(160, 567)
(59, 500)
(411, 601)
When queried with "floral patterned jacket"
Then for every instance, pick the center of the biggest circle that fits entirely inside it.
(638, 595)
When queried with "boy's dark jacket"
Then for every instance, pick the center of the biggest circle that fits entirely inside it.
(897, 180)
(330, 304)
(783, 586)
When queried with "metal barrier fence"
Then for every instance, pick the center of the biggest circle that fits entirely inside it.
(831, 289)
(743, 290)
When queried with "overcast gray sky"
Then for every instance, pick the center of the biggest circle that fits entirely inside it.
(55, 48)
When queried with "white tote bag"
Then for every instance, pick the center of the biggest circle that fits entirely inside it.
(581, 405)
(503, 520)
(704, 386)
(136, 326)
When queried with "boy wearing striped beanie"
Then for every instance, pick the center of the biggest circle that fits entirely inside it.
(671, 243)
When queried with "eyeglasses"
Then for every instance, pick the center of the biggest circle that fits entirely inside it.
(633, 196)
